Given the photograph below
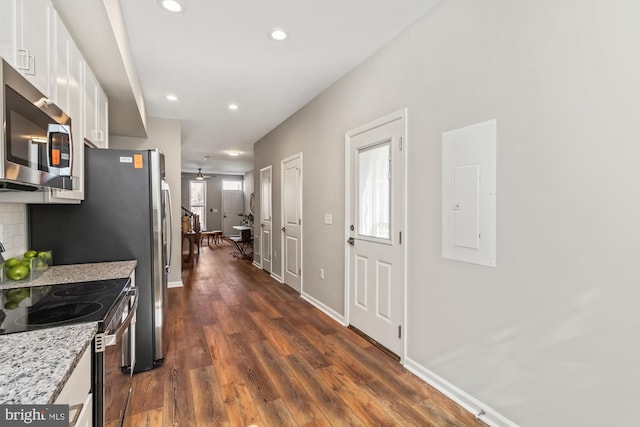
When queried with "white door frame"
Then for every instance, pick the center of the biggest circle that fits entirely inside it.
(282, 220)
(398, 115)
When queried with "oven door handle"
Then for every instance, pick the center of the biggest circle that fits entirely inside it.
(111, 339)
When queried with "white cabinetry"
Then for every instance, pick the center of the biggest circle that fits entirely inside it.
(34, 40)
(68, 94)
(77, 393)
(7, 30)
(95, 111)
(25, 39)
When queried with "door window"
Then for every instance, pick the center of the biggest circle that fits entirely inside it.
(374, 191)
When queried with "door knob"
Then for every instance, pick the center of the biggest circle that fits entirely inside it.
(351, 241)
(283, 229)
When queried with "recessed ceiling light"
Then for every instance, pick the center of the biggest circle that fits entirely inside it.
(171, 98)
(171, 6)
(233, 153)
(278, 34)
(233, 106)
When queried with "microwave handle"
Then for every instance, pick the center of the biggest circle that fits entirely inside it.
(67, 132)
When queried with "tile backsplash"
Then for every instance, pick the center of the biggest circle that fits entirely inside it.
(13, 228)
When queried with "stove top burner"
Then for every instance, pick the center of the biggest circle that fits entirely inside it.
(40, 307)
(58, 314)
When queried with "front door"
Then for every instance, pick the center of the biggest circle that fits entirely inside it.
(265, 218)
(232, 212)
(375, 221)
(292, 220)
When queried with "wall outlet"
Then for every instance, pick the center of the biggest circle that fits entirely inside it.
(322, 273)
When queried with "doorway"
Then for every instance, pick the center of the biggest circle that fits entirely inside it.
(265, 218)
(232, 211)
(375, 220)
(292, 221)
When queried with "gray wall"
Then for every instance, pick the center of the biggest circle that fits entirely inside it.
(165, 135)
(214, 196)
(551, 336)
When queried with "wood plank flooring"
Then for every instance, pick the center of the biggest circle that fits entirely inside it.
(245, 350)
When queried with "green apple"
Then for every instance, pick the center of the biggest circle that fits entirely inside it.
(18, 272)
(11, 262)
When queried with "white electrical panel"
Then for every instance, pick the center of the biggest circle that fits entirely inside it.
(469, 194)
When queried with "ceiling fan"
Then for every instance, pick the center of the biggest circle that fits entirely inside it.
(200, 176)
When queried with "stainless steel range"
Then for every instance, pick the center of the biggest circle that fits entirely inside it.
(110, 303)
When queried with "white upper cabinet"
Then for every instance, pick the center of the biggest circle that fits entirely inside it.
(95, 111)
(7, 30)
(33, 20)
(67, 93)
(35, 41)
(103, 116)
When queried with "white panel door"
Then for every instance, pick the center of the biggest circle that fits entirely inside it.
(375, 221)
(232, 212)
(292, 220)
(265, 218)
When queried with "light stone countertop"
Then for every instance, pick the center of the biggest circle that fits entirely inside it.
(35, 365)
(59, 274)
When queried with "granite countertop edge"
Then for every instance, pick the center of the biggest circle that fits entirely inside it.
(35, 365)
(59, 274)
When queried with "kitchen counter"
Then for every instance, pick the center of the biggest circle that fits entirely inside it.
(35, 365)
(59, 274)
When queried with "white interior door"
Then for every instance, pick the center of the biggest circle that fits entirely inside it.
(232, 211)
(375, 221)
(292, 220)
(265, 218)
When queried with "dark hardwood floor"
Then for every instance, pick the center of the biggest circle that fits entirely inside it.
(245, 350)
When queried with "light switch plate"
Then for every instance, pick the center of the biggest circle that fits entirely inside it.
(328, 219)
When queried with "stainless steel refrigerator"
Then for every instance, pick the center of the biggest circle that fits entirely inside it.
(126, 214)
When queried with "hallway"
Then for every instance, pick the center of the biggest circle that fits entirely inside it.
(245, 350)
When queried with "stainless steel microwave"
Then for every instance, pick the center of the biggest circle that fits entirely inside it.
(36, 149)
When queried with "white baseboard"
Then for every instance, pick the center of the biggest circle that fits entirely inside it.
(323, 308)
(256, 264)
(177, 284)
(277, 278)
(468, 402)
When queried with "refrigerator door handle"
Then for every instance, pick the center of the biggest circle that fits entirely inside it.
(170, 228)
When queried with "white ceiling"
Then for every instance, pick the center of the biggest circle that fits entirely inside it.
(219, 52)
